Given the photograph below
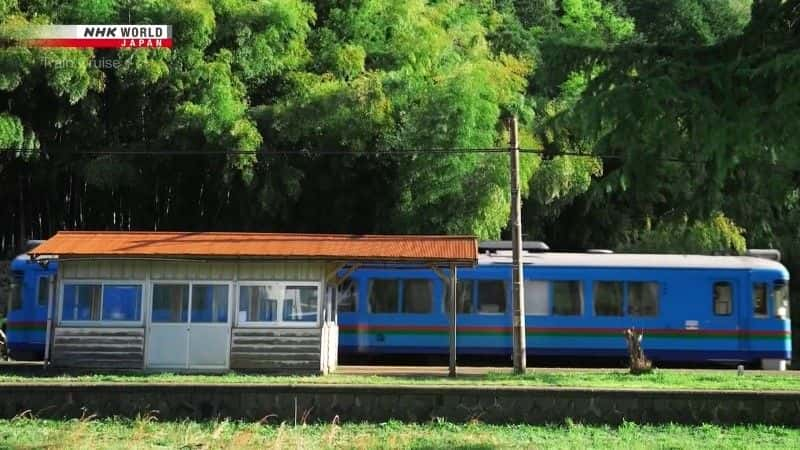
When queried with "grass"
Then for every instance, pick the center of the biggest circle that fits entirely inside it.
(25, 433)
(659, 379)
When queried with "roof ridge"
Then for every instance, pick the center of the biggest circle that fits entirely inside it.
(273, 233)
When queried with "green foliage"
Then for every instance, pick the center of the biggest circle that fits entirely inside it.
(12, 134)
(634, 85)
(269, 35)
(590, 23)
(146, 432)
(689, 22)
(716, 235)
(667, 379)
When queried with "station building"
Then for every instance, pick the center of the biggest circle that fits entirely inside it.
(205, 301)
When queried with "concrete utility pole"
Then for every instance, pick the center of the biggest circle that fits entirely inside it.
(517, 289)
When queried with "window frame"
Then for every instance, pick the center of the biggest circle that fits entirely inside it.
(143, 304)
(548, 299)
(474, 290)
(623, 299)
(151, 292)
(15, 294)
(627, 298)
(446, 296)
(506, 296)
(398, 299)
(776, 307)
(582, 299)
(767, 295)
(336, 290)
(731, 302)
(192, 284)
(39, 288)
(171, 281)
(280, 323)
(401, 293)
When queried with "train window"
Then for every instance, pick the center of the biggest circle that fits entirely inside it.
(259, 303)
(781, 288)
(81, 302)
(537, 298)
(383, 296)
(43, 291)
(567, 298)
(760, 299)
(417, 296)
(463, 297)
(723, 298)
(170, 303)
(643, 298)
(347, 296)
(15, 302)
(608, 297)
(491, 296)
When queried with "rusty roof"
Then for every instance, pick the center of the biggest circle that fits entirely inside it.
(440, 249)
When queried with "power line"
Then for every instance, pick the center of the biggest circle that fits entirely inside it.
(307, 152)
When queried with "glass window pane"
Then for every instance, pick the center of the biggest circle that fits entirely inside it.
(760, 299)
(643, 298)
(300, 304)
(782, 299)
(492, 296)
(723, 295)
(537, 298)
(567, 298)
(347, 296)
(16, 294)
(608, 298)
(171, 303)
(43, 292)
(81, 302)
(122, 302)
(463, 297)
(417, 296)
(209, 303)
(259, 303)
(383, 296)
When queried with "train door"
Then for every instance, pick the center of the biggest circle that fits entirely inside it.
(755, 308)
(37, 310)
(726, 312)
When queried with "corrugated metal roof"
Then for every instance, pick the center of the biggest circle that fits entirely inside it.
(458, 249)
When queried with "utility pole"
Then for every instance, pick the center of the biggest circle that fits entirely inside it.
(517, 288)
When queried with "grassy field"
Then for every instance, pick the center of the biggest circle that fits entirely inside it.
(101, 434)
(659, 379)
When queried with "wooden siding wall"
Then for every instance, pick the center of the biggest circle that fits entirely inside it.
(96, 348)
(276, 349)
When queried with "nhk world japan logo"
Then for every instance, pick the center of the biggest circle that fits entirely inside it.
(95, 36)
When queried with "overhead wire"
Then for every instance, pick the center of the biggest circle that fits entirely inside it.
(307, 152)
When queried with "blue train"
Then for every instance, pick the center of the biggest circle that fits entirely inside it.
(691, 308)
(26, 314)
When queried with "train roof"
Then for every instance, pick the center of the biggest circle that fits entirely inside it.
(636, 260)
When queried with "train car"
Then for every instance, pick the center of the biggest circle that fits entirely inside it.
(26, 320)
(691, 308)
